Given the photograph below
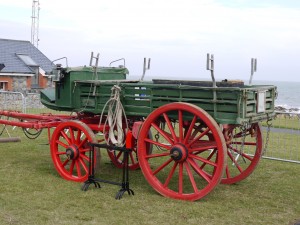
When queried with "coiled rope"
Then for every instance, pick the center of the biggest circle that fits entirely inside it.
(114, 118)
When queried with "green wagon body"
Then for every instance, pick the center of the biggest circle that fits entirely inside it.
(186, 136)
(81, 91)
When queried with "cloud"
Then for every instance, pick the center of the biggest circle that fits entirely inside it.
(171, 32)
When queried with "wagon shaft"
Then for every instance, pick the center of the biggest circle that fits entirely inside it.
(32, 120)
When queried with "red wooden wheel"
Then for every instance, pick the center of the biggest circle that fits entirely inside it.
(244, 153)
(188, 156)
(117, 156)
(69, 150)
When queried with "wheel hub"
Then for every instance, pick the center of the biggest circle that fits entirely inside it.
(72, 152)
(179, 153)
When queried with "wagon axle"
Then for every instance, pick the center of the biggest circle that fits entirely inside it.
(72, 152)
(179, 152)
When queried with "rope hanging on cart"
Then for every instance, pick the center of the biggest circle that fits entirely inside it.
(114, 118)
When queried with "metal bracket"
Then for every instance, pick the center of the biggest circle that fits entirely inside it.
(210, 66)
(253, 68)
(146, 67)
(95, 66)
(122, 59)
(125, 179)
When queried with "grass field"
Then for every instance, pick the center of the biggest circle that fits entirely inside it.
(32, 192)
(285, 121)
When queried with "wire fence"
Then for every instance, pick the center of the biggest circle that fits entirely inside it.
(25, 103)
(15, 101)
(284, 136)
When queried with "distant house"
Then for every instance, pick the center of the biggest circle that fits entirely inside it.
(23, 67)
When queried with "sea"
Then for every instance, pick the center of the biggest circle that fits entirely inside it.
(288, 93)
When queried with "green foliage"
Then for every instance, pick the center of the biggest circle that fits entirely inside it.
(31, 192)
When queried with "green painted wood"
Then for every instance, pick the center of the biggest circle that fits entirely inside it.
(233, 105)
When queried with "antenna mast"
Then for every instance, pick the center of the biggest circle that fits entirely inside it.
(35, 23)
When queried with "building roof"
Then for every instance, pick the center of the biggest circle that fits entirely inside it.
(21, 57)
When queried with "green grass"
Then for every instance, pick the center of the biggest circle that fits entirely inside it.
(32, 192)
(285, 121)
(284, 144)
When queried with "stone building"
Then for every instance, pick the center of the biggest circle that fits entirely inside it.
(23, 67)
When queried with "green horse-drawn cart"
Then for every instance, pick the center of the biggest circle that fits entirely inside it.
(188, 135)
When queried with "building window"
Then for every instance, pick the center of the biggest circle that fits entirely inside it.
(27, 60)
(33, 66)
(3, 85)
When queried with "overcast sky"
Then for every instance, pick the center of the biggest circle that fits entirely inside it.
(176, 35)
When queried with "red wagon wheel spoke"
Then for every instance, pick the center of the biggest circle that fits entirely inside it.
(227, 172)
(180, 125)
(78, 136)
(199, 171)
(65, 162)
(163, 133)
(174, 167)
(72, 135)
(195, 139)
(78, 168)
(190, 129)
(162, 166)
(63, 145)
(83, 165)
(244, 149)
(69, 150)
(72, 167)
(180, 179)
(132, 157)
(245, 143)
(157, 155)
(171, 128)
(84, 141)
(191, 177)
(66, 138)
(242, 154)
(117, 157)
(235, 163)
(204, 146)
(170, 175)
(84, 150)
(206, 161)
(85, 157)
(157, 144)
(211, 155)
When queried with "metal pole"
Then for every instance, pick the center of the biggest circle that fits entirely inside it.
(145, 67)
(253, 69)
(210, 66)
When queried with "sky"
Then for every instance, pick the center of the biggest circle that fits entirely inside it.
(176, 35)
